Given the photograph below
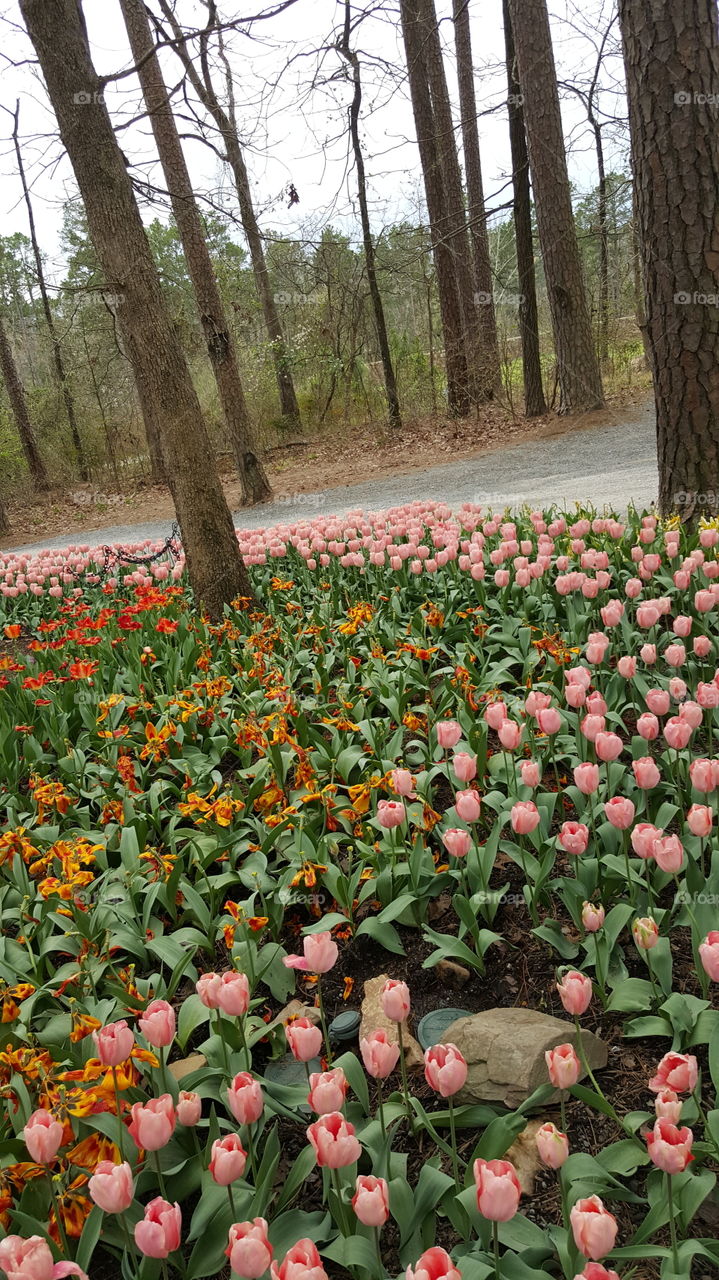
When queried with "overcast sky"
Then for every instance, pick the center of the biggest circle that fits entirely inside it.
(291, 104)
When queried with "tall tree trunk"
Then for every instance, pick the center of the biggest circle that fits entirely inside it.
(57, 31)
(227, 126)
(534, 403)
(489, 371)
(671, 55)
(580, 382)
(4, 517)
(603, 220)
(450, 303)
(19, 409)
(390, 382)
(57, 356)
(220, 346)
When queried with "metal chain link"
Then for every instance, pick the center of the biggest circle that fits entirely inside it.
(114, 557)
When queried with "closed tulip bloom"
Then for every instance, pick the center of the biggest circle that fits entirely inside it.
(157, 1235)
(468, 805)
(390, 814)
(657, 701)
(157, 1024)
(595, 1271)
(114, 1043)
(379, 1054)
(644, 838)
(234, 994)
(320, 954)
(677, 733)
(189, 1108)
(448, 733)
(111, 1186)
(328, 1090)
(334, 1141)
(608, 746)
(699, 819)
(670, 1149)
(498, 1189)
(668, 1106)
(669, 853)
(645, 932)
(648, 654)
(303, 1038)
(524, 817)
(464, 765)
(677, 1071)
(249, 1249)
(573, 837)
(627, 666)
(549, 720)
(702, 774)
(495, 714)
(709, 955)
(580, 676)
(445, 1069)
(301, 1262)
(707, 695)
(592, 726)
(677, 688)
(395, 1001)
(510, 734)
(208, 989)
(646, 773)
(592, 917)
(227, 1160)
(647, 615)
(153, 1122)
(691, 713)
(620, 812)
(371, 1201)
(403, 783)
(702, 645)
(245, 1098)
(535, 701)
(675, 655)
(457, 842)
(42, 1136)
(575, 992)
(648, 726)
(575, 695)
(586, 778)
(529, 770)
(593, 1227)
(435, 1264)
(552, 1146)
(31, 1259)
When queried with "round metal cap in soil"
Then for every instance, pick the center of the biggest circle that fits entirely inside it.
(433, 1025)
(345, 1026)
(288, 1071)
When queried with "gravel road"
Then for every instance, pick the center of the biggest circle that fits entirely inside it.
(612, 464)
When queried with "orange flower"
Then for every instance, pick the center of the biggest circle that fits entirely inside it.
(88, 1153)
(12, 630)
(166, 626)
(83, 1025)
(82, 670)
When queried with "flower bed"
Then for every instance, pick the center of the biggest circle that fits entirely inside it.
(438, 739)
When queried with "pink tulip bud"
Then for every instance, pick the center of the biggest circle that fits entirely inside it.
(552, 1146)
(677, 733)
(627, 667)
(233, 995)
(563, 1066)
(395, 1000)
(465, 766)
(327, 1091)
(301, 1262)
(592, 917)
(495, 714)
(188, 1109)
(591, 726)
(699, 820)
(668, 1106)
(111, 1186)
(208, 989)
(709, 955)
(670, 1149)
(595, 1271)
(467, 805)
(677, 1071)
(573, 838)
(703, 775)
(648, 726)
(403, 783)
(379, 1054)
(608, 746)
(249, 1249)
(153, 1122)
(593, 1227)
(646, 773)
(31, 1259)
(648, 654)
(245, 1099)
(657, 701)
(498, 1189)
(586, 778)
(677, 688)
(371, 1201)
(435, 1264)
(620, 812)
(227, 1160)
(157, 1235)
(457, 842)
(529, 770)
(42, 1136)
(575, 992)
(525, 817)
(303, 1038)
(644, 838)
(445, 1069)
(114, 1043)
(157, 1024)
(320, 954)
(669, 853)
(645, 932)
(390, 814)
(596, 706)
(702, 644)
(449, 733)
(549, 720)
(334, 1142)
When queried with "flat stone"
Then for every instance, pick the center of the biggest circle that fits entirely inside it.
(505, 1051)
(455, 975)
(525, 1157)
(185, 1066)
(373, 1019)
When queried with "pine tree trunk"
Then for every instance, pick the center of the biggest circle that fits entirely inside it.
(603, 220)
(450, 303)
(4, 517)
(63, 383)
(490, 372)
(534, 402)
(671, 55)
(204, 88)
(580, 383)
(21, 416)
(215, 566)
(390, 382)
(220, 345)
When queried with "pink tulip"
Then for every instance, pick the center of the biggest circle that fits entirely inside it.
(320, 954)
(153, 1122)
(574, 838)
(575, 992)
(677, 688)
(648, 654)
(498, 1189)
(549, 720)
(669, 853)
(668, 1106)
(227, 1160)
(42, 1136)
(670, 1149)
(379, 1054)
(709, 955)
(586, 778)
(448, 734)
(403, 783)
(627, 667)
(510, 734)
(657, 701)
(371, 1201)
(580, 676)
(435, 1264)
(593, 1227)
(644, 838)
(552, 1146)
(303, 1038)
(249, 1249)
(157, 1024)
(648, 726)
(591, 726)
(157, 1235)
(495, 714)
(525, 817)
(620, 812)
(334, 1142)
(327, 1091)
(234, 993)
(391, 814)
(465, 766)
(677, 1071)
(691, 713)
(114, 1043)
(646, 773)
(111, 1186)
(301, 1262)
(645, 932)
(675, 655)
(529, 770)
(31, 1259)
(245, 1099)
(445, 1069)
(702, 774)
(395, 1000)
(467, 805)
(595, 1271)
(677, 733)
(608, 746)
(699, 820)
(575, 695)
(592, 917)
(208, 989)
(189, 1108)
(457, 842)
(702, 645)
(596, 706)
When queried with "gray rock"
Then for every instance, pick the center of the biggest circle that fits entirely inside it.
(505, 1051)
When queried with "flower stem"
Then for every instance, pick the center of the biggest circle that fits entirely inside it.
(323, 1020)
(341, 1220)
(58, 1215)
(218, 1028)
(405, 1086)
(118, 1109)
(495, 1244)
(453, 1133)
(231, 1199)
(160, 1175)
(672, 1224)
